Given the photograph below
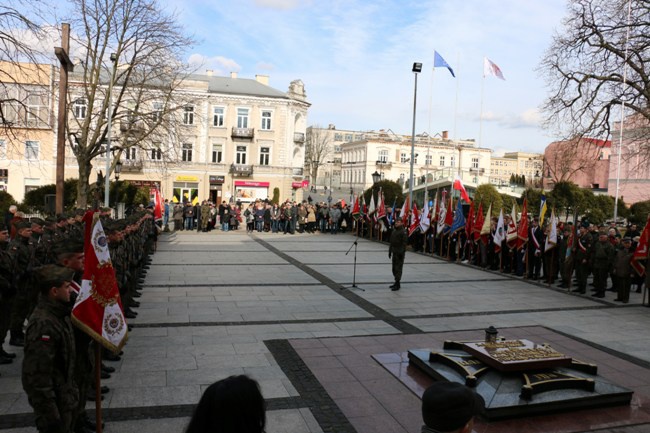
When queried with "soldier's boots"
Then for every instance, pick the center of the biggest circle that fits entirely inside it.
(395, 287)
(6, 354)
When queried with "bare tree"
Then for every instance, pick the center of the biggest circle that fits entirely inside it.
(18, 30)
(584, 68)
(318, 147)
(132, 50)
(565, 159)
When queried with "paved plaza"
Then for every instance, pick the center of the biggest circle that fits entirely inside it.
(280, 309)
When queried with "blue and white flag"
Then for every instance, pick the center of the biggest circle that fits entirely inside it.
(439, 62)
(459, 219)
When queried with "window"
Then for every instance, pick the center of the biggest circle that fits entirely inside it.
(266, 120)
(428, 160)
(31, 150)
(242, 118)
(157, 109)
(442, 160)
(358, 137)
(337, 148)
(403, 158)
(156, 153)
(187, 152)
(415, 158)
(217, 153)
(31, 184)
(348, 137)
(80, 106)
(265, 152)
(452, 161)
(240, 158)
(36, 110)
(338, 137)
(383, 156)
(217, 116)
(130, 153)
(474, 162)
(188, 115)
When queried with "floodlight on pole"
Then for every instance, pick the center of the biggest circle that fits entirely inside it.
(417, 68)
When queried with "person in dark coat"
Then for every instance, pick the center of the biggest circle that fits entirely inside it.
(397, 251)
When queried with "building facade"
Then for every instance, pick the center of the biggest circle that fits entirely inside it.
(436, 159)
(634, 173)
(585, 162)
(525, 164)
(233, 138)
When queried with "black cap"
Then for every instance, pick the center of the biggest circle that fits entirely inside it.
(68, 246)
(23, 225)
(53, 275)
(37, 221)
(448, 406)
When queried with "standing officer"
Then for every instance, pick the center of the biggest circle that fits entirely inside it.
(623, 270)
(581, 255)
(601, 263)
(48, 367)
(397, 250)
(22, 252)
(7, 292)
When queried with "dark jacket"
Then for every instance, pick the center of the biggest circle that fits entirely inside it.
(48, 367)
(398, 239)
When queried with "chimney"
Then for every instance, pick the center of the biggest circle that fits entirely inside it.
(262, 79)
(209, 72)
(233, 75)
(445, 135)
(331, 126)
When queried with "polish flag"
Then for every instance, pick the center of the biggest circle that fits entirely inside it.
(491, 68)
(458, 185)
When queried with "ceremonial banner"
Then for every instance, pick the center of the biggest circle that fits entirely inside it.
(415, 219)
(486, 228)
(511, 237)
(470, 220)
(522, 230)
(458, 185)
(551, 239)
(425, 220)
(499, 234)
(478, 222)
(371, 207)
(641, 253)
(439, 62)
(459, 219)
(442, 214)
(98, 308)
(542, 210)
(391, 219)
(449, 216)
(404, 212)
(355, 209)
(158, 204)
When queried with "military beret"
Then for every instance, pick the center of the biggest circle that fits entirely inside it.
(79, 212)
(53, 275)
(61, 217)
(22, 225)
(50, 220)
(627, 239)
(68, 246)
(37, 220)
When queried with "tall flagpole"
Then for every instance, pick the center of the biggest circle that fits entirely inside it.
(480, 127)
(456, 103)
(426, 162)
(620, 132)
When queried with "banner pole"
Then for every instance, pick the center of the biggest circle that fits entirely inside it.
(98, 386)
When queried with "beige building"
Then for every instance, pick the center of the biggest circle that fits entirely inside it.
(437, 159)
(233, 137)
(27, 148)
(516, 163)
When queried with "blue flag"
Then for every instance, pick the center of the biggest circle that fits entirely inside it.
(391, 219)
(439, 62)
(459, 219)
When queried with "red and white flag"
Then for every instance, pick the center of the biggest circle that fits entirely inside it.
(491, 68)
(415, 219)
(98, 308)
(641, 253)
(158, 204)
(458, 185)
(511, 236)
(404, 213)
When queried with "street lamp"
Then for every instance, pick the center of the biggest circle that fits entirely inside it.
(107, 180)
(118, 170)
(376, 177)
(417, 68)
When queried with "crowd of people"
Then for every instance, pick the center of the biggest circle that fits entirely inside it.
(41, 267)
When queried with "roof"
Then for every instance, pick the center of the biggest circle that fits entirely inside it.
(238, 86)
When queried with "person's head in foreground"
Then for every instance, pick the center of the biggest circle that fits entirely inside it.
(449, 407)
(231, 405)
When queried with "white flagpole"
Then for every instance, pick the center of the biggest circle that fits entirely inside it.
(456, 103)
(620, 132)
(426, 162)
(480, 127)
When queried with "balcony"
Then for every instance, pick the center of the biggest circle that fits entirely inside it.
(132, 165)
(132, 126)
(384, 164)
(299, 137)
(241, 170)
(246, 133)
(477, 171)
(297, 172)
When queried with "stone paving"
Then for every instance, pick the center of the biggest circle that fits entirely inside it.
(280, 309)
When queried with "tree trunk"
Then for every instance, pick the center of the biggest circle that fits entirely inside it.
(82, 185)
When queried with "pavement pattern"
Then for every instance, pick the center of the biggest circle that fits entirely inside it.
(281, 309)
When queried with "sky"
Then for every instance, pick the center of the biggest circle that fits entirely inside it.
(355, 58)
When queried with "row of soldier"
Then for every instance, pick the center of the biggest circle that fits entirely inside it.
(39, 259)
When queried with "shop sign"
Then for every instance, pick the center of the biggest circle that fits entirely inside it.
(251, 183)
(181, 178)
(217, 179)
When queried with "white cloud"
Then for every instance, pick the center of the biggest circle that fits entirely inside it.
(218, 64)
(265, 66)
(279, 4)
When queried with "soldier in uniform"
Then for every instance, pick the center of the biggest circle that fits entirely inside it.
(397, 250)
(623, 270)
(48, 366)
(602, 259)
(581, 255)
(7, 292)
(22, 252)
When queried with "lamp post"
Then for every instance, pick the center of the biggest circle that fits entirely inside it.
(417, 68)
(107, 180)
(118, 170)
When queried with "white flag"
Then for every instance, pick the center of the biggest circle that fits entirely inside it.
(551, 239)
(499, 234)
(425, 220)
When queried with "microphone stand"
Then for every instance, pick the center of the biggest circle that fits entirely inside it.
(354, 272)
